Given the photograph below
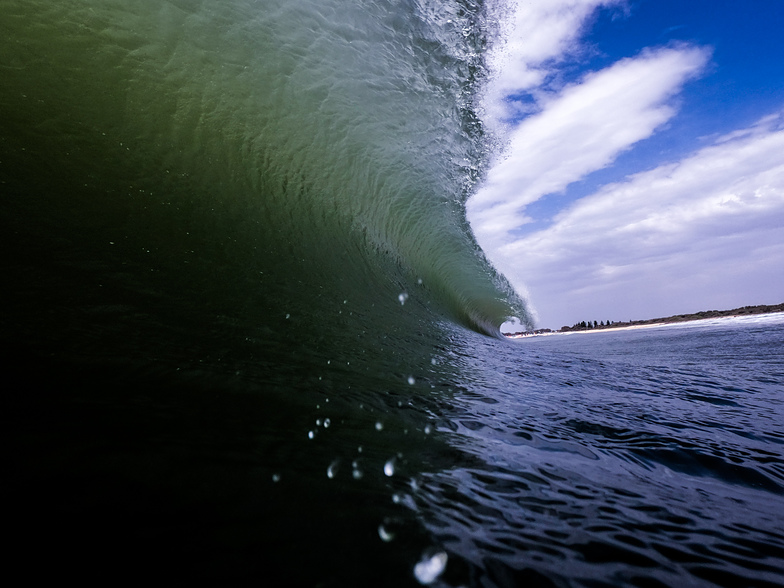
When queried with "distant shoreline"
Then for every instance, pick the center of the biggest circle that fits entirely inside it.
(658, 322)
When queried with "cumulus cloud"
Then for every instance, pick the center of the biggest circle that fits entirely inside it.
(581, 130)
(706, 228)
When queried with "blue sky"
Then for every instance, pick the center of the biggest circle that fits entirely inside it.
(643, 168)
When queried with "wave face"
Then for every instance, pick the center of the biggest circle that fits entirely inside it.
(224, 226)
(326, 144)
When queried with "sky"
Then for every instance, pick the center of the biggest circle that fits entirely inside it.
(642, 168)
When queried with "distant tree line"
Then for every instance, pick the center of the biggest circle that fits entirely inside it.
(584, 325)
(678, 318)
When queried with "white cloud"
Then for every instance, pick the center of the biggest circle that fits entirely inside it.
(709, 228)
(702, 232)
(540, 34)
(581, 130)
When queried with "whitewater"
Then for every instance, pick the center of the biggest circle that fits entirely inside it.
(249, 337)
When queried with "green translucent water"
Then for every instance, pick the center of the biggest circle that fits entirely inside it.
(222, 223)
(329, 146)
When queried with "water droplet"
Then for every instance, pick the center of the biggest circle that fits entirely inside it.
(419, 281)
(276, 478)
(327, 422)
(332, 470)
(411, 380)
(397, 499)
(359, 449)
(311, 434)
(318, 422)
(402, 297)
(356, 471)
(428, 429)
(288, 315)
(389, 468)
(379, 425)
(386, 535)
(430, 567)
(433, 361)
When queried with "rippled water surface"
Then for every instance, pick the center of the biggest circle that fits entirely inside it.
(649, 457)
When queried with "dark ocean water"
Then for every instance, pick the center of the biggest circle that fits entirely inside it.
(630, 458)
(248, 337)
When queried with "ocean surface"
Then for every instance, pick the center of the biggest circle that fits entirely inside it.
(248, 337)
